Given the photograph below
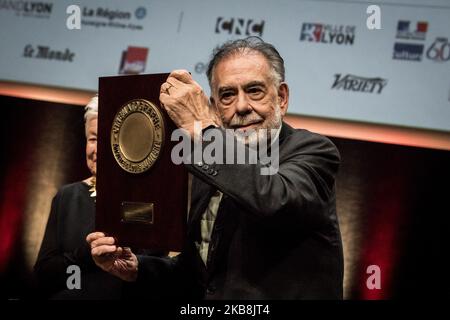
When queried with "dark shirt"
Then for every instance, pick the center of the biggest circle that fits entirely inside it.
(72, 218)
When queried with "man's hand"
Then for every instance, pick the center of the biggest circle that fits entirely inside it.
(185, 102)
(118, 261)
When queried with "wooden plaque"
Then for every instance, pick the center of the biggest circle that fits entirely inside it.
(141, 193)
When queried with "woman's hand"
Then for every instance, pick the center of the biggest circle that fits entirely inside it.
(118, 261)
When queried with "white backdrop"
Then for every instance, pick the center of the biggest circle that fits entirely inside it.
(181, 34)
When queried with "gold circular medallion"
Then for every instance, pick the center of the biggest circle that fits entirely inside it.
(137, 135)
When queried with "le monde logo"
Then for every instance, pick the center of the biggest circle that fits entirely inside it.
(48, 53)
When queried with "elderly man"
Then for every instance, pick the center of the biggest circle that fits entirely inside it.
(250, 236)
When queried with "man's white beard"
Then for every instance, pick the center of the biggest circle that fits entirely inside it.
(262, 135)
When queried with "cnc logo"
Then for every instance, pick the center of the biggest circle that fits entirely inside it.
(239, 26)
(34, 9)
(133, 60)
(327, 33)
(48, 53)
(351, 82)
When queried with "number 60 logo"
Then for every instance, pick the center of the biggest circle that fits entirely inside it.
(439, 50)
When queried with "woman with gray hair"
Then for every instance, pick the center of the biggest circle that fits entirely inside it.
(71, 218)
(90, 122)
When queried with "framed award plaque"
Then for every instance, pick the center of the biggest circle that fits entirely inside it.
(141, 193)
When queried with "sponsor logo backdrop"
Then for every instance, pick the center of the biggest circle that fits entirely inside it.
(336, 67)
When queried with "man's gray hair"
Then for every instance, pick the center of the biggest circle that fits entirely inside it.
(247, 45)
(91, 110)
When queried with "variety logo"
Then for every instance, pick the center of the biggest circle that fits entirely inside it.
(104, 17)
(239, 26)
(351, 82)
(439, 50)
(48, 53)
(404, 32)
(35, 9)
(327, 33)
(133, 60)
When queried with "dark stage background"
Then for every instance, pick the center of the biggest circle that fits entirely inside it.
(392, 202)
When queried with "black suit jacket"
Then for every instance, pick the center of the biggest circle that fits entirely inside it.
(71, 219)
(275, 236)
